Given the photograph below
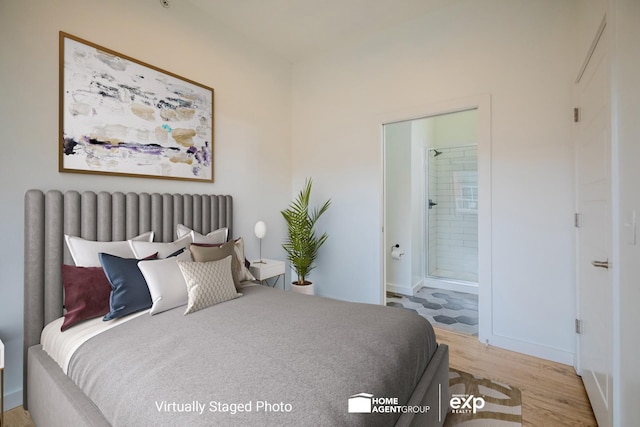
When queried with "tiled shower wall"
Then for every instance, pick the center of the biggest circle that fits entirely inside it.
(453, 224)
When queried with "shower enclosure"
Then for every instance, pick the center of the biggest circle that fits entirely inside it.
(451, 201)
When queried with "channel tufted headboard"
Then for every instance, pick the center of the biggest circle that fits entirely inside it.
(102, 216)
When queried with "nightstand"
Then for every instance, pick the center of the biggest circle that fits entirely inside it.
(1, 384)
(268, 269)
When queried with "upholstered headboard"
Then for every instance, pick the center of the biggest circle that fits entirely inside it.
(103, 217)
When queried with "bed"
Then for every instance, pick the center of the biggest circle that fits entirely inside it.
(267, 357)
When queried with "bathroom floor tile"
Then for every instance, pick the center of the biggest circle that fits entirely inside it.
(456, 311)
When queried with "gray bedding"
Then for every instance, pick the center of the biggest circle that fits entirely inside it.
(291, 359)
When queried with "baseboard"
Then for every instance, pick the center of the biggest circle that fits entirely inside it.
(531, 349)
(404, 289)
(449, 285)
(13, 399)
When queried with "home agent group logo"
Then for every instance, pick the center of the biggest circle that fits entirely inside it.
(360, 403)
(366, 403)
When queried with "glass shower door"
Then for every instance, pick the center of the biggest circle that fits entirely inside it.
(452, 213)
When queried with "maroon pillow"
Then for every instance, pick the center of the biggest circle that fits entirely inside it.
(86, 294)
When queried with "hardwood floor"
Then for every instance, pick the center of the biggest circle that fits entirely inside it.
(552, 393)
(17, 417)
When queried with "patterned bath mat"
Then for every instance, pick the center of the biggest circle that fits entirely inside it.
(479, 402)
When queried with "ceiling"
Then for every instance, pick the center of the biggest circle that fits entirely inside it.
(295, 29)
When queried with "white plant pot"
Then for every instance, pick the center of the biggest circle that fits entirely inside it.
(304, 289)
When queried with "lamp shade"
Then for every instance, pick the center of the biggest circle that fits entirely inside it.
(260, 229)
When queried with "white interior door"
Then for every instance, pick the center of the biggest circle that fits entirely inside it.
(595, 299)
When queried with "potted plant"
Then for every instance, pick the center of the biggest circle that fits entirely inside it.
(302, 243)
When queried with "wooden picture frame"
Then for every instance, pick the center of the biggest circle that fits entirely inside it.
(121, 116)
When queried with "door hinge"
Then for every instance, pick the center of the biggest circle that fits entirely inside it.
(576, 115)
(578, 326)
(577, 220)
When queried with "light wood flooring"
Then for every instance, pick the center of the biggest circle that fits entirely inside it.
(552, 393)
(17, 417)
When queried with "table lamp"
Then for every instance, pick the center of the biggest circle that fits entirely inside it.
(260, 231)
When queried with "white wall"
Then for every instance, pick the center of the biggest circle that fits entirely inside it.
(398, 204)
(520, 52)
(404, 144)
(252, 122)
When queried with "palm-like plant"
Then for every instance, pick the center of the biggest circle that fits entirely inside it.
(302, 244)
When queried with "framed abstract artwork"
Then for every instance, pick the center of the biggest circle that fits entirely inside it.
(120, 116)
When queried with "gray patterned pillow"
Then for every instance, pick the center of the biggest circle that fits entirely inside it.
(208, 283)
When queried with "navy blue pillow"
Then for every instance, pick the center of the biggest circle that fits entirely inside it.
(129, 290)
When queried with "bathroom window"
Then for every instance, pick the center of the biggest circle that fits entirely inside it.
(466, 198)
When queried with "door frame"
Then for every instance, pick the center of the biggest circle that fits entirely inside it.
(482, 103)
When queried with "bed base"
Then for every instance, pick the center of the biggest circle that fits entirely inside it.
(432, 390)
(55, 400)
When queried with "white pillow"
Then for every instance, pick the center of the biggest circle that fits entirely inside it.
(166, 283)
(215, 237)
(208, 283)
(85, 252)
(145, 249)
(182, 230)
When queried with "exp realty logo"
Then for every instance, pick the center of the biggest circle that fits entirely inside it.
(365, 403)
(466, 403)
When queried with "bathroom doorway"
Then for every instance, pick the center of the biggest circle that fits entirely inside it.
(435, 166)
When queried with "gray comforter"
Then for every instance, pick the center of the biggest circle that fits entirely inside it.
(268, 358)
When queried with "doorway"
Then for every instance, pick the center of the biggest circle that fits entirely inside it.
(437, 207)
(432, 216)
